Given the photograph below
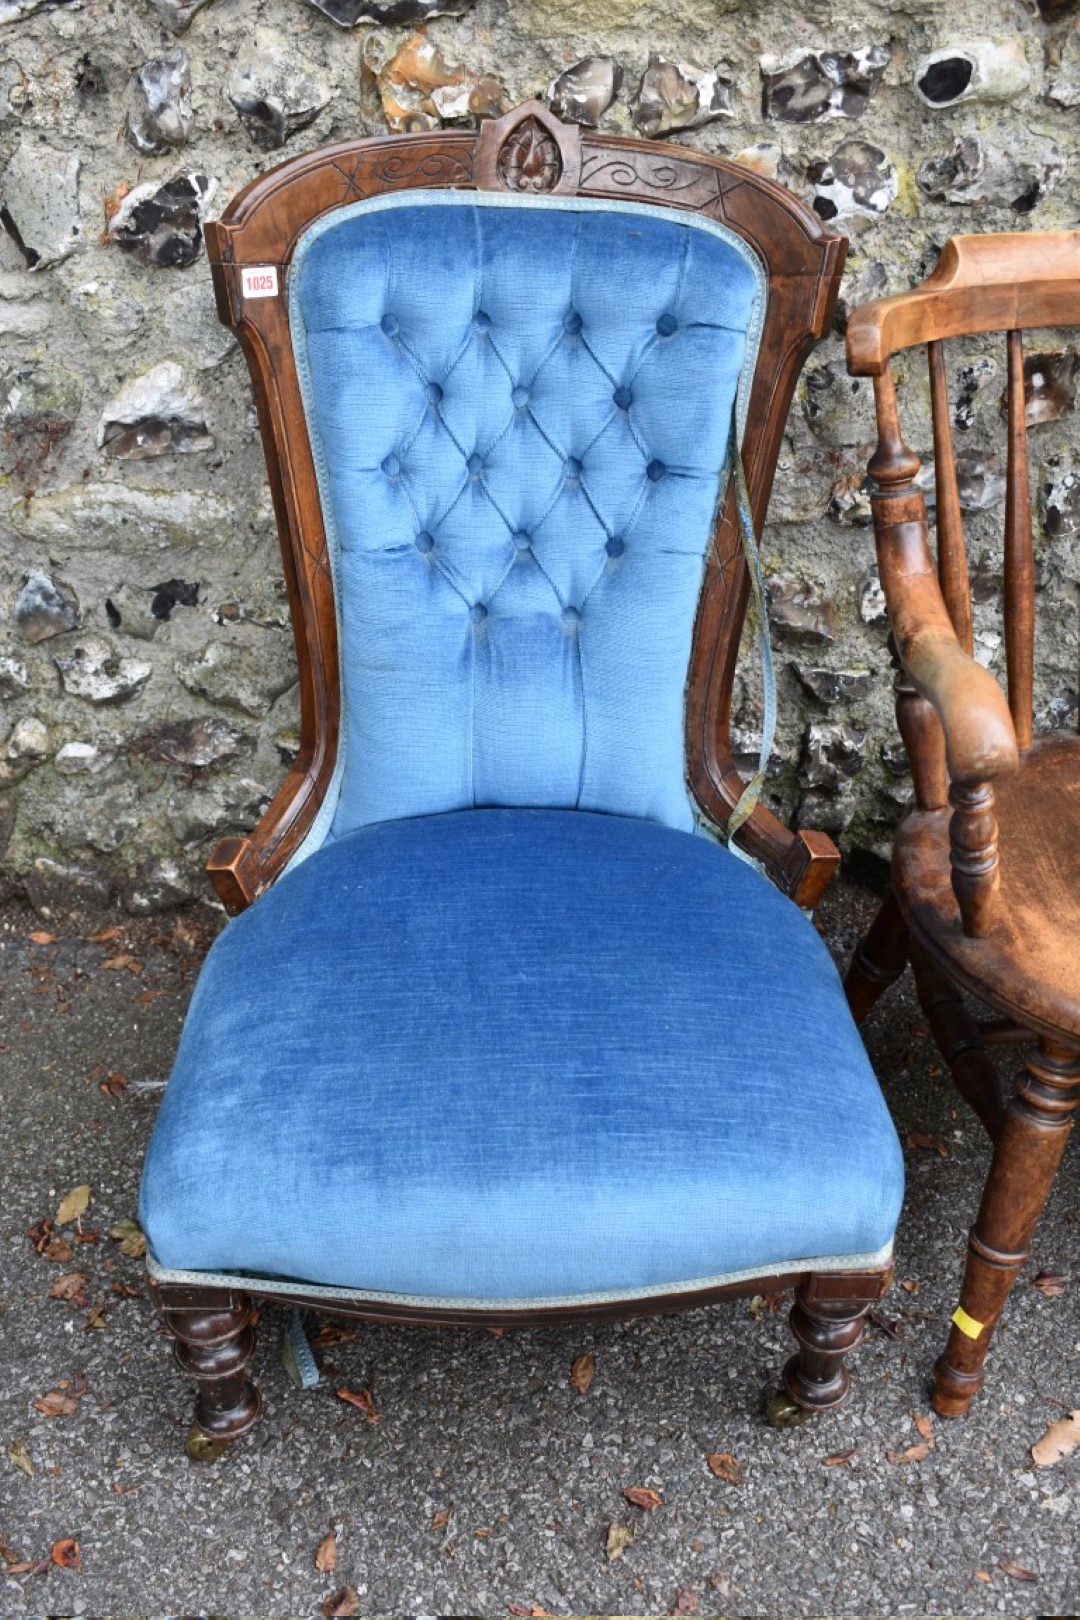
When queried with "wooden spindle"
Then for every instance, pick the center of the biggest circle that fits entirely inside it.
(1019, 557)
(973, 855)
(952, 555)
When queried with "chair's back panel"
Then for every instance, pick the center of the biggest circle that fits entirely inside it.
(525, 153)
(520, 411)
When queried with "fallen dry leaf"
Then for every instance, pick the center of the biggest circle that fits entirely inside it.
(40, 1233)
(725, 1466)
(330, 1333)
(146, 998)
(70, 1285)
(531, 1610)
(58, 1249)
(115, 1085)
(929, 1144)
(583, 1372)
(96, 1318)
(342, 1602)
(441, 1518)
(361, 1398)
(67, 1553)
(1060, 1439)
(124, 963)
(981, 1575)
(73, 1205)
(57, 1404)
(839, 1457)
(686, 1602)
(910, 1285)
(619, 1537)
(326, 1554)
(103, 934)
(918, 1453)
(643, 1497)
(19, 1457)
(1018, 1572)
(40, 937)
(1050, 1283)
(925, 1427)
(129, 1234)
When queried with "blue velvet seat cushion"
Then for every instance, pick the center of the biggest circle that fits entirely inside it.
(512, 1054)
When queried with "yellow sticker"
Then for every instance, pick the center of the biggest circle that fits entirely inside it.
(967, 1324)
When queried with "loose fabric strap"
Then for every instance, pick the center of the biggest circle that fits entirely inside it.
(750, 794)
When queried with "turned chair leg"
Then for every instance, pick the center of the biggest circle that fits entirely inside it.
(828, 1319)
(880, 958)
(1029, 1149)
(960, 1044)
(215, 1337)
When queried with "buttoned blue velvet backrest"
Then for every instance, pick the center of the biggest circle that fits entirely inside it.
(520, 413)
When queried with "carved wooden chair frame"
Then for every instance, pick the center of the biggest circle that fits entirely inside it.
(527, 151)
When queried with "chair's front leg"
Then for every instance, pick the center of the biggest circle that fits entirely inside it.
(880, 958)
(215, 1337)
(1022, 1171)
(828, 1319)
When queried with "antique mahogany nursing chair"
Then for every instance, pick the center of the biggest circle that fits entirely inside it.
(985, 893)
(503, 1034)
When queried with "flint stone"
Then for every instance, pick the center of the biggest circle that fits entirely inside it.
(807, 87)
(15, 10)
(873, 608)
(982, 71)
(107, 313)
(987, 646)
(800, 611)
(249, 677)
(14, 677)
(94, 671)
(199, 743)
(162, 117)
(761, 158)
(979, 482)
(832, 754)
(54, 885)
(849, 501)
(839, 408)
(28, 742)
(107, 817)
(856, 185)
(834, 685)
(831, 811)
(162, 224)
(40, 198)
(45, 607)
(23, 313)
(274, 96)
(894, 757)
(154, 415)
(111, 517)
(421, 88)
(1059, 498)
(177, 14)
(1049, 386)
(160, 884)
(680, 95)
(347, 13)
(82, 759)
(200, 814)
(1061, 712)
(1063, 79)
(860, 286)
(583, 94)
(974, 174)
(970, 381)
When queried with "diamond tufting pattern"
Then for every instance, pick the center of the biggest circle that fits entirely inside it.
(520, 416)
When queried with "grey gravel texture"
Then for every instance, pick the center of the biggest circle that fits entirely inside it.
(488, 1481)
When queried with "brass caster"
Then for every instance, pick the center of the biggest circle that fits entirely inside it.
(784, 1413)
(205, 1448)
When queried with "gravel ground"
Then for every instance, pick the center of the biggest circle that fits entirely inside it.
(488, 1481)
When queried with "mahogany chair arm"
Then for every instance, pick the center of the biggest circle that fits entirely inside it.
(243, 868)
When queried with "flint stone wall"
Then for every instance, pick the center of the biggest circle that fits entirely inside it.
(147, 679)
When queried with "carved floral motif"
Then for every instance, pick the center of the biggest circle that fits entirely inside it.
(530, 160)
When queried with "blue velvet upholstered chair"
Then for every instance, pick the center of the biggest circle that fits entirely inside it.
(505, 1033)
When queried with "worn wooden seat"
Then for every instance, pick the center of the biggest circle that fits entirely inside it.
(985, 888)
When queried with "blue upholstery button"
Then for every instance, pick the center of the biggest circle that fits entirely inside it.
(522, 540)
(390, 325)
(572, 322)
(391, 466)
(572, 470)
(655, 471)
(425, 542)
(666, 325)
(475, 465)
(478, 613)
(622, 398)
(571, 618)
(519, 398)
(482, 321)
(433, 394)
(615, 547)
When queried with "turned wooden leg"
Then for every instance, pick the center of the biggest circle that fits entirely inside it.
(215, 1338)
(960, 1043)
(880, 958)
(1022, 1171)
(827, 1320)
(973, 855)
